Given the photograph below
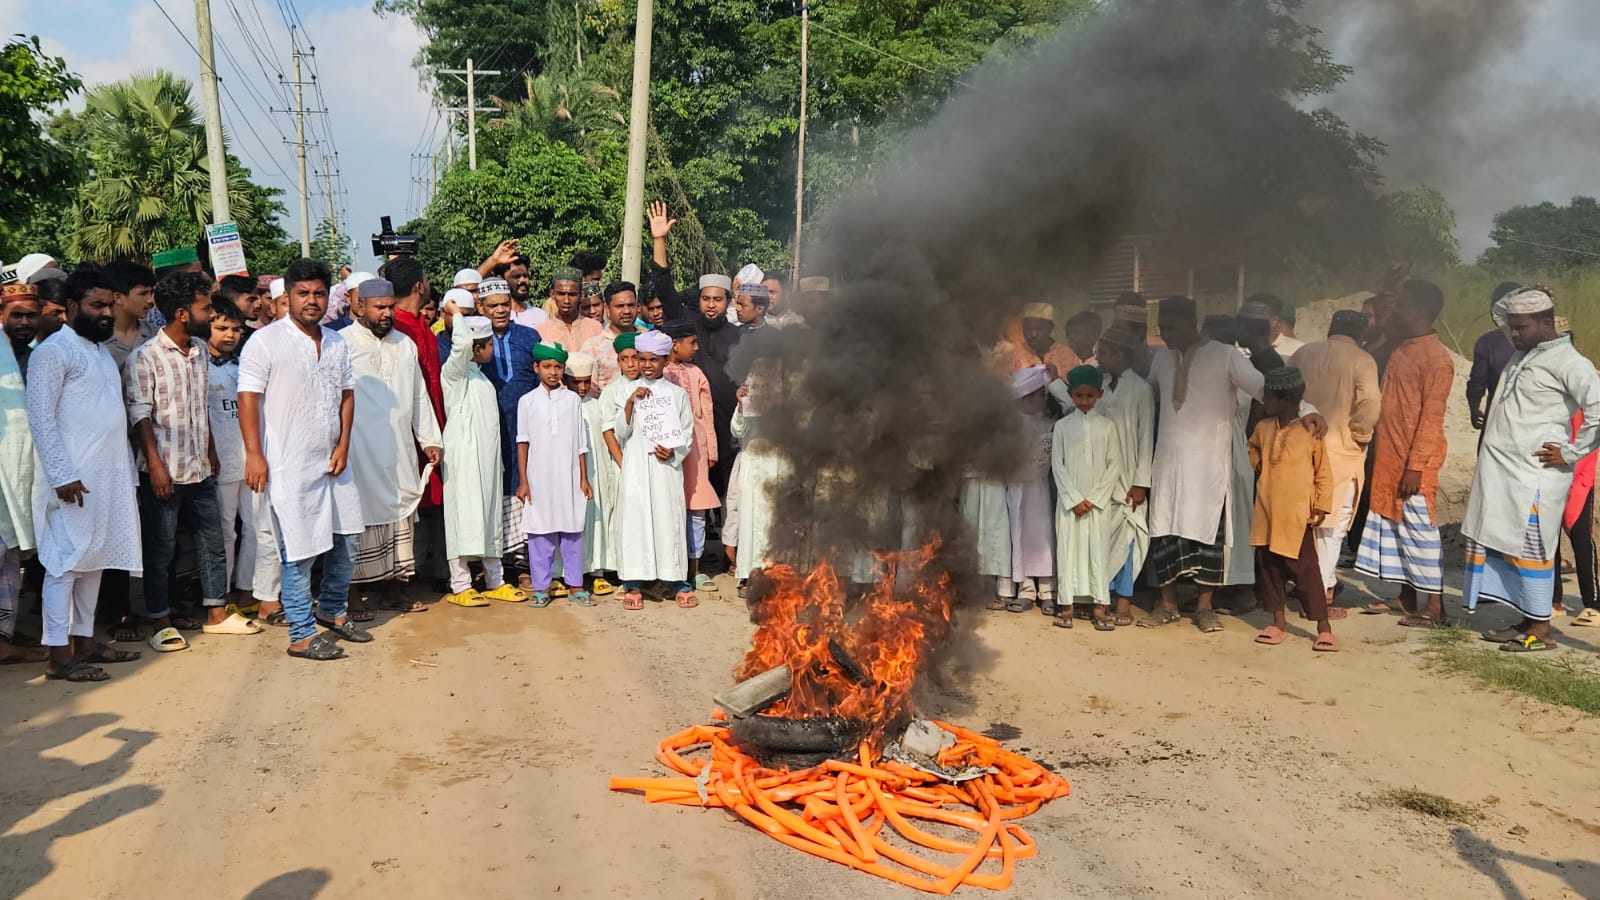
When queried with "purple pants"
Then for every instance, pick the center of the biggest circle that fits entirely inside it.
(542, 549)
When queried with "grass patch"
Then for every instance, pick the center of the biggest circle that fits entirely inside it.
(1556, 678)
(1427, 804)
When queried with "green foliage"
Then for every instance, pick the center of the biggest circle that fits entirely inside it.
(1419, 228)
(36, 171)
(505, 35)
(1560, 679)
(1546, 237)
(334, 250)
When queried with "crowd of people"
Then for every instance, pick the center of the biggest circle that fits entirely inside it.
(303, 447)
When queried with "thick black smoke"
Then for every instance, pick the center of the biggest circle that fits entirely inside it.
(1169, 116)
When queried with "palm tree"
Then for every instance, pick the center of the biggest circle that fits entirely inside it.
(151, 183)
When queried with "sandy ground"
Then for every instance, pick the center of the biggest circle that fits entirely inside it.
(466, 752)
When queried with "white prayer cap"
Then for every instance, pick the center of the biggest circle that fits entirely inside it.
(275, 289)
(477, 326)
(1526, 302)
(580, 365)
(32, 263)
(654, 343)
(750, 274)
(466, 276)
(463, 299)
(1026, 381)
(491, 286)
(355, 279)
(1039, 311)
(716, 281)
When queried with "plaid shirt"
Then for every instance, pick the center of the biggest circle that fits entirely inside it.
(168, 387)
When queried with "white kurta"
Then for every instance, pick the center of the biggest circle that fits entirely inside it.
(16, 456)
(652, 508)
(1132, 406)
(394, 415)
(983, 504)
(598, 553)
(1238, 557)
(551, 424)
(1192, 471)
(1533, 405)
(611, 401)
(1030, 509)
(1086, 460)
(471, 470)
(758, 469)
(301, 386)
(80, 433)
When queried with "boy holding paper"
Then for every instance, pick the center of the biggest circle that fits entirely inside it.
(554, 487)
(697, 490)
(655, 427)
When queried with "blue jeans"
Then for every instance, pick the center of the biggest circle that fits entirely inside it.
(197, 509)
(333, 592)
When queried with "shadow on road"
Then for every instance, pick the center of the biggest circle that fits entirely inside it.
(1582, 876)
(301, 884)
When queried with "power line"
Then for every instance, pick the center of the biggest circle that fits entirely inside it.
(864, 45)
(1550, 246)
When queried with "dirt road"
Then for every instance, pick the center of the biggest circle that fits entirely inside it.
(465, 753)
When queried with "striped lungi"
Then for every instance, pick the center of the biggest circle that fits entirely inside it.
(1404, 552)
(516, 540)
(385, 553)
(1526, 583)
(1172, 557)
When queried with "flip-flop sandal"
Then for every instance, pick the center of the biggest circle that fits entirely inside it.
(998, 604)
(77, 673)
(1123, 620)
(602, 588)
(186, 623)
(105, 653)
(1502, 635)
(541, 599)
(323, 647)
(127, 632)
(1160, 616)
(167, 640)
(1587, 618)
(277, 619)
(347, 631)
(1326, 643)
(233, 624)
(1337, 612)
(505, 593)
(1206, 620)
(632, 600)
(1104, 624)
(558, 591)
(1063, 619)
(1048, 607)
(1381, 608)
(1412, 620)
(1017, 606)
(580, 598)
(687, 600)
(468, 598)
(1527, 644)
(1271, 635)
(401, 605)
(703, 582)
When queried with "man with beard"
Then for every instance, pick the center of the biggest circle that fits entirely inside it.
(19, 313)
(165, 381)
(622, 309)
(411, 291)
(296, 405)
(394, 416)
(83, 493)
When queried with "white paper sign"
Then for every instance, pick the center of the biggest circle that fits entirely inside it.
(656, 420)
(227, 250)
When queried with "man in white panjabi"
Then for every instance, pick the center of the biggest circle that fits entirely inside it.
(16, 490)
(1030, 511)
(296, 405)
(473, 527)
(653, 507)
(394, 416)
(608, 454)
(84, 512)
(762, 465)
(1128, 402)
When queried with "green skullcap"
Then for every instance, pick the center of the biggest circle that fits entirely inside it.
(1084, 375)
(177, 256)
(556, 352)
(567, 274)
(624, 341)
(1284, 379)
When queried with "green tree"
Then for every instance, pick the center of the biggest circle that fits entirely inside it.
(149, 186)
(1546, 237)
(1419, 228)
(334, 250)
(36, 172)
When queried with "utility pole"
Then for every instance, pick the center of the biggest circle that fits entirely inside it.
(300, 153)
(800, 151)
(638, 130)
(216, 159)
(328, 174)
(472, 109)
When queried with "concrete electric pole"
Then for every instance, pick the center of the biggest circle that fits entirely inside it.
(470, 75)
(800, 150)
(638, 132)
(300, 154)
(216, 158)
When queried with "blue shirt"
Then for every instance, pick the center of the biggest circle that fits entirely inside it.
(512, 374)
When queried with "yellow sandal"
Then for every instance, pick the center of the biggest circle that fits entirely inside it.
(602, 588)
(468, 597)
(506, 593)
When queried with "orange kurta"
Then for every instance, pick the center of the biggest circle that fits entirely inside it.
(1293, 483)
(697, 489)
(1410, 432)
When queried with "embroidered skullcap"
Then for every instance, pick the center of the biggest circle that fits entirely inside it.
(1121, 336)
(550, 351)
(1039, 311)
(17, 291)
(654, 343)
(492, 286)
(1283, 379)
(1027, 381)
(716, 281)
(462, 298)
(566, 273)
(1132, 314)
(466, 276)
(580, 365)
(1084, 375)
(1527, 302)
(479, 327)
(755, 290)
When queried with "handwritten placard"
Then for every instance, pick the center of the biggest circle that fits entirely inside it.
(656, 421)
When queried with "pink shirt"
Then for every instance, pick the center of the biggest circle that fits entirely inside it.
(570, 337)
(703, 451)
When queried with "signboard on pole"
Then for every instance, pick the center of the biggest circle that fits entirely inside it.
(227, 250)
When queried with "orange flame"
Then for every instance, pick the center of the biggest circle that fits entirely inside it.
(886, 635)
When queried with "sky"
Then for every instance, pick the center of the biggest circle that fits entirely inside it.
(1522, 126)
